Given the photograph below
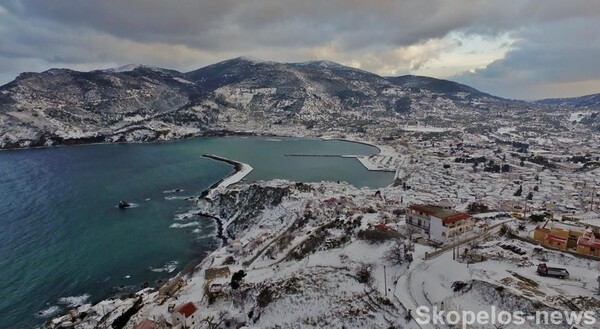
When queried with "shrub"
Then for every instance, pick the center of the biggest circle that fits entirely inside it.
(363, 274)
(236, 278)
(537, 218)
(377, 236)
(265, 297)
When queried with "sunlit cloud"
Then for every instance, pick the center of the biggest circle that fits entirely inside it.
(513, 48)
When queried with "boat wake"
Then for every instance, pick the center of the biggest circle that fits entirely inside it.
(173, 197)
(177, 190)
(131, 205)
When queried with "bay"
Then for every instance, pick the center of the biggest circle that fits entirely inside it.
(63, 240)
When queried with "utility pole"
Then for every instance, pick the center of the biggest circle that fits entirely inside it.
(385, 280)
(592, 203)
(453, 252)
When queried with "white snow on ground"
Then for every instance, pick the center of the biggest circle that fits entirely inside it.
(124, 68)
(182, 80)
(425, 129)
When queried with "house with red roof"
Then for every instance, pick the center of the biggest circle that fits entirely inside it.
(558, 235)
(589, 243)
(185, 316)
(440, 224)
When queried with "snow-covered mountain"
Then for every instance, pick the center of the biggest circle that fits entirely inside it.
(139, 103)
(587, 102)
(61, 106)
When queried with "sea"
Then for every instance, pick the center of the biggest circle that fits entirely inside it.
(64, 241)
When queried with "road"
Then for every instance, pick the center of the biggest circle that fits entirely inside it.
(409, 290)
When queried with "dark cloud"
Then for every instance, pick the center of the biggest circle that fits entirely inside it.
(380, 35)
(562, 53)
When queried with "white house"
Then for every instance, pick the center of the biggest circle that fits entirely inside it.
(440, 224)
(184, 316)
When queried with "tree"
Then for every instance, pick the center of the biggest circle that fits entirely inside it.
(236, 278)
(396, 253)
(530, 196)
(476, 207)
(214, 321)
(537, 218)
(536, 188)
(519, 191)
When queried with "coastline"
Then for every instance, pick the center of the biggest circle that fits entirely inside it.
(382, 151)
(378, 147)
(241, 170)
(101, 140)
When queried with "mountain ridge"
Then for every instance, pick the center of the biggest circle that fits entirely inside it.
(143, 103)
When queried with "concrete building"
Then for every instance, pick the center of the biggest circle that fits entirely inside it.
(439, 224)
(589, 243)
(184, 316)
(558, 235)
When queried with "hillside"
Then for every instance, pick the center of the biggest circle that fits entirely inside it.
(141, 103)
(587, 102)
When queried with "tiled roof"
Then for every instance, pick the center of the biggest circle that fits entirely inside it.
(186, 309)
(447, 216)
(589, 239)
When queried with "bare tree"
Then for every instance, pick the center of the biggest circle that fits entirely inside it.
(213, 322)
(410, 230)
(397, 252)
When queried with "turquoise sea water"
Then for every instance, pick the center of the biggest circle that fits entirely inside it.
(61, 235)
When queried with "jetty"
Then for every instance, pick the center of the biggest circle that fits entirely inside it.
(241, 170)
(323, 155)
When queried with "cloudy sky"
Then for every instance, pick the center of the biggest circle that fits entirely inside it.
(523, 49)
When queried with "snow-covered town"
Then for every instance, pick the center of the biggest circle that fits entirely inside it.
(470, 221)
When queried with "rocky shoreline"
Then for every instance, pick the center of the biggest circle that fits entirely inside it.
(49, 140)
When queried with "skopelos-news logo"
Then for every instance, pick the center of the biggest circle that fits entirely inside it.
(465, 318)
